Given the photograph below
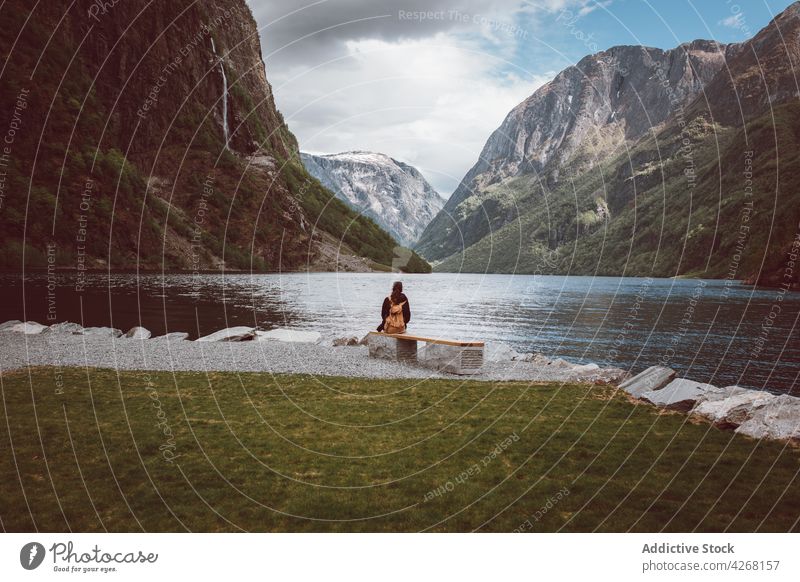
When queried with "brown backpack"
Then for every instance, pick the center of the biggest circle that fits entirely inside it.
(394, 322)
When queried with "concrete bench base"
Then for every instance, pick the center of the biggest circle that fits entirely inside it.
(387, 347)
(463, 358)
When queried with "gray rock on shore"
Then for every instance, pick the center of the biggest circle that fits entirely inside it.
(559, 363)
(231, 334)
(6, 326)
(292, 336)
(754, 413)
(558, 367)
(175, 336)
(26, 327)
(778, 418)
(731, 406)
(65, 327)
(500, 352)
(598, 375)
(652, 379)
(141, 333)
(680, 394)
(109, 332)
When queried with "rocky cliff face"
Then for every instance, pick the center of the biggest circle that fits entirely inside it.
(157, 72)
(149, 137)
(393, 194)
(585, 113)
(638, 161)
(760, 73)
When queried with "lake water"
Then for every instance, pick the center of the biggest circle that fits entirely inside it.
(709, 331)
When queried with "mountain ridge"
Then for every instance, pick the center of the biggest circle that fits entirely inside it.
(600, 185)
(392, 193)
(556, 122)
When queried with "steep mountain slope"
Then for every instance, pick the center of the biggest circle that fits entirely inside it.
(393, 194)
(706, 187)
(584, 113)
(146, 135)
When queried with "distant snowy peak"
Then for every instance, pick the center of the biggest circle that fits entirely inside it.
(393, 194)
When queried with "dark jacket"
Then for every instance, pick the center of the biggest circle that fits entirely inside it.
(387, 305)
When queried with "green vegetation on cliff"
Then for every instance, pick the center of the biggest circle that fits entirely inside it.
(703, 202)
(640, 161)
(118, 157)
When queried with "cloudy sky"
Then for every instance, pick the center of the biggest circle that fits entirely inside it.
(427, 81)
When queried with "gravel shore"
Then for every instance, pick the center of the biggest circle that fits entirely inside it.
(19, 351)
(756, 414)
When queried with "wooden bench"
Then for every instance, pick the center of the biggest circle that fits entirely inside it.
(450, 356)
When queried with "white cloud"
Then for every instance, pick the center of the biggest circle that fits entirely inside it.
(592, 5)
(427, 93)
(430, 102)
(735, 21)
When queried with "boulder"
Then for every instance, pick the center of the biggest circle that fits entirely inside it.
(28, 328)
(537, 359)
(584, 368)
(680, 394)
(346, 341)
(560, 364)
(609, 376)
(175, 336)
(779, 419)
(231, 334)
(138, 333)
(66, 327)
(500, 352)
(731, 406)
(284, 334)
(596, 375)
(653, 378)
(111, 332)
(9, 324)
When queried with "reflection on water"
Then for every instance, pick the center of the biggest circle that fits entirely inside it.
(710, 332)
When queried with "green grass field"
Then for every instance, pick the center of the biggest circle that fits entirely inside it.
(89, 451)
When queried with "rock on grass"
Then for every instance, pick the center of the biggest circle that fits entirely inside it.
(731, 406)
(680, 394)
(653, 378)
(777, 419)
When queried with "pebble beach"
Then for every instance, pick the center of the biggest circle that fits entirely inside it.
(20, 350)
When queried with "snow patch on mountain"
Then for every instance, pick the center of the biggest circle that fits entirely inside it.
(393, 194)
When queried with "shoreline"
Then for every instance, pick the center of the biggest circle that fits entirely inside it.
(746, 282)
(132, 270)
(66, 349)
(28, 345)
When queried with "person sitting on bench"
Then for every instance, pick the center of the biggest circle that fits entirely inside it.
(395, 313)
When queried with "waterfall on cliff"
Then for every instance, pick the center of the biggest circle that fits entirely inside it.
(224, 94)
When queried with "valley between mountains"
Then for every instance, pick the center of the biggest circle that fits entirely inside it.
(167, 151)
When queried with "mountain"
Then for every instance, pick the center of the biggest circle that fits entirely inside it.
(393, 194)
(638, 161)
(584, 113)
(146, 135)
